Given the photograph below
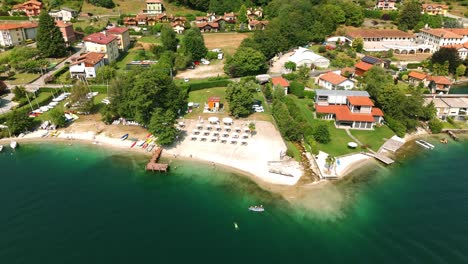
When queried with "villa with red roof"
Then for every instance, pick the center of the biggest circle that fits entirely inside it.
(434, 9)
(280, 82)
(462, 49)
(86, 65)
(104, 43)
(362, 67)
(333, 81)
(16, 33)
(349, 109)
(415, 77)
(439, 37)
(436, 84)
(30, 8)
(123, 36)
(67, 31)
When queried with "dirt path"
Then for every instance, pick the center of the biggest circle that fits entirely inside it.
(203, 71)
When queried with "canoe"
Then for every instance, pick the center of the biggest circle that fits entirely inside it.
(124, 137)
(133, 144)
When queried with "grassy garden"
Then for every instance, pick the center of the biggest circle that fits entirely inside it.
(373, 139)
(22, 78)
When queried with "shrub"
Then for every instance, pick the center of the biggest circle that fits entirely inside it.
(322, 49)
(297, 89)
(210, 55)
(435, 125)
(322, 134)
(208, 84)
(413, 65)
(313, 145)
(396, 126)
(290, 76)
(309, 94)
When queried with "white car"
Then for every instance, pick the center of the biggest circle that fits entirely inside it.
(259, 110)
(205, 62)
(186, 79)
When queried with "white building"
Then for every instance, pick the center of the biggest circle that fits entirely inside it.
(86, 65)
(306, 57)
(449, 106)
(104, 43)
(334, 81)
(15, 34)
(154, 6)
(438, 37)
(64, 14)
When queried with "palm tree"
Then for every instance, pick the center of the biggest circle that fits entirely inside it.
(252, 127)
(329, 162)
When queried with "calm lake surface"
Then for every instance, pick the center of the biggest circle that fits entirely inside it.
(82, 204)
(461, 88)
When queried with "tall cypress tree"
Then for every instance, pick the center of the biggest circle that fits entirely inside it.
(49, 38)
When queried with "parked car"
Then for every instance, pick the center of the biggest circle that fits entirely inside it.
(216, 50)
(259, 109)
(191, 67)
(186, 79)
(220, 56)
(204, 61)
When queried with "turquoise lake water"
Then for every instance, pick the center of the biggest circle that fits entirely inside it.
(461, 88)
(82, 204)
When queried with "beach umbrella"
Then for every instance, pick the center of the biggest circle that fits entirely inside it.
(227, 128)
(181, 123)
(245, 135)
(218, 127)
(196, 131)
(206, 132)
(235, 135)
(246, 130)
(237, 129)
(227, 120)
(213, 119)
(215, 133)
(199, 125)
(226, 135)
(214, 139)
(244, 142)
(208, 127)
(190, 104)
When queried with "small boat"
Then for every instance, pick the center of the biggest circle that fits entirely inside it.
(133, 144)
(257, 208)
(124, 137)
(13, 144)
(236, 226)
(425, 144)
(1, 148)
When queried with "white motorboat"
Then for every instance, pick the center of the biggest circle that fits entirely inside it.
(425, 144)
(257, 208)
(1, 148)
(13, 144)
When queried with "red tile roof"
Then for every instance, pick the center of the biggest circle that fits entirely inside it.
(62, 24)
(363, 66)
(280, 81)
(457, 46)
(117, 30)
(360, 100)
(440, 80)
(417, 75)
(100, 38)
(342, 113)
(424, 6)
(459, 31)
(90, 59)
(214, 99)
(18, 25)
(442, 33)
(204, 24)
(333, 78)
(376, 112)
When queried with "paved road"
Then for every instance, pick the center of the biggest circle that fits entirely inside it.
(6, 104)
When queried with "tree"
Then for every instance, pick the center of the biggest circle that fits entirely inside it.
(193, 44)
(246, 61)
(3, 88)
(297, 89)
(461, 69)
(242, 18)
(168, 38)
(57, 117)
(19, 122)
(290, 65)
(240, 97)
(358, 44)
(435, 125)
(353, 14)
(102, 3)
(19, 92)
(410, 15)
(79, 98)
(105, 73)
(330, 162)
(441, 69)
(49, 38)
(376, 78)
(447, 54)
(322, 134)
(252, 127)
(162, 125)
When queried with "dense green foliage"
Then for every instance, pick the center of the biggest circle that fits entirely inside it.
(246, 61)
(57, 117)
(19, 122)
(168, 38)
(402, 112)
(193, 44)
(435, 125)
(102, 3)
(410, 14)
(162, 124)
(297, 89)
(218, 6)
(23, 59)
(322, 134)
(240, 97)
(449, 55)
(49, 39)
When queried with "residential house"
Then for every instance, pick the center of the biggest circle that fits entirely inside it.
(434, 9)
(123, 37)
(375, 61)
(398, 41)
(154, 6)
(308, 58)
(230, 17)
(454, 107)
(349, 109)
(141, 19)
(208, 27)
(254, 13)
(257, 24)
(386, 5)
(462, 49)
(333, 81)
(67, 31)
(439, 84)
(201, 20)
(178, 27)
(104, 43)
(438, 37)
(130, 21)
(30, 8)
(16, 33)
(347, 72)
(362, 67)
(416, 78)
(280, 82)
(86, 65)
(64, 14)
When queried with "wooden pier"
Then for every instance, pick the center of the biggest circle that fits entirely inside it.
(153, 164)
(380, 157)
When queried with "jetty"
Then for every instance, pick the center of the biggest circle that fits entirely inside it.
(380, 157)
(153, 164)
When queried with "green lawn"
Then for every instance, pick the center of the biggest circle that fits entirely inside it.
(126, 58)
(150, 39)
(201, 97)
(293, 151)
(23, 78)
(374, 139)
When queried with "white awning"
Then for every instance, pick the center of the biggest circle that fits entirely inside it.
(213, 119)
(227, 120)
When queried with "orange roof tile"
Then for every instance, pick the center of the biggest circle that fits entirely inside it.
(459, 31)
(117, 30)
(378, 33)
(342, 113)
(376, 112)
(417, 75)
(333, 78)
(441, 33)
(360, 100)
(100, 38)
(363, 66)
(440, 80)
(424, 6)
(280, 81)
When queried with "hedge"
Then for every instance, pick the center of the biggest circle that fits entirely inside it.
(61, 71)
(208, 84)
(14, 18)
(413, 65)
